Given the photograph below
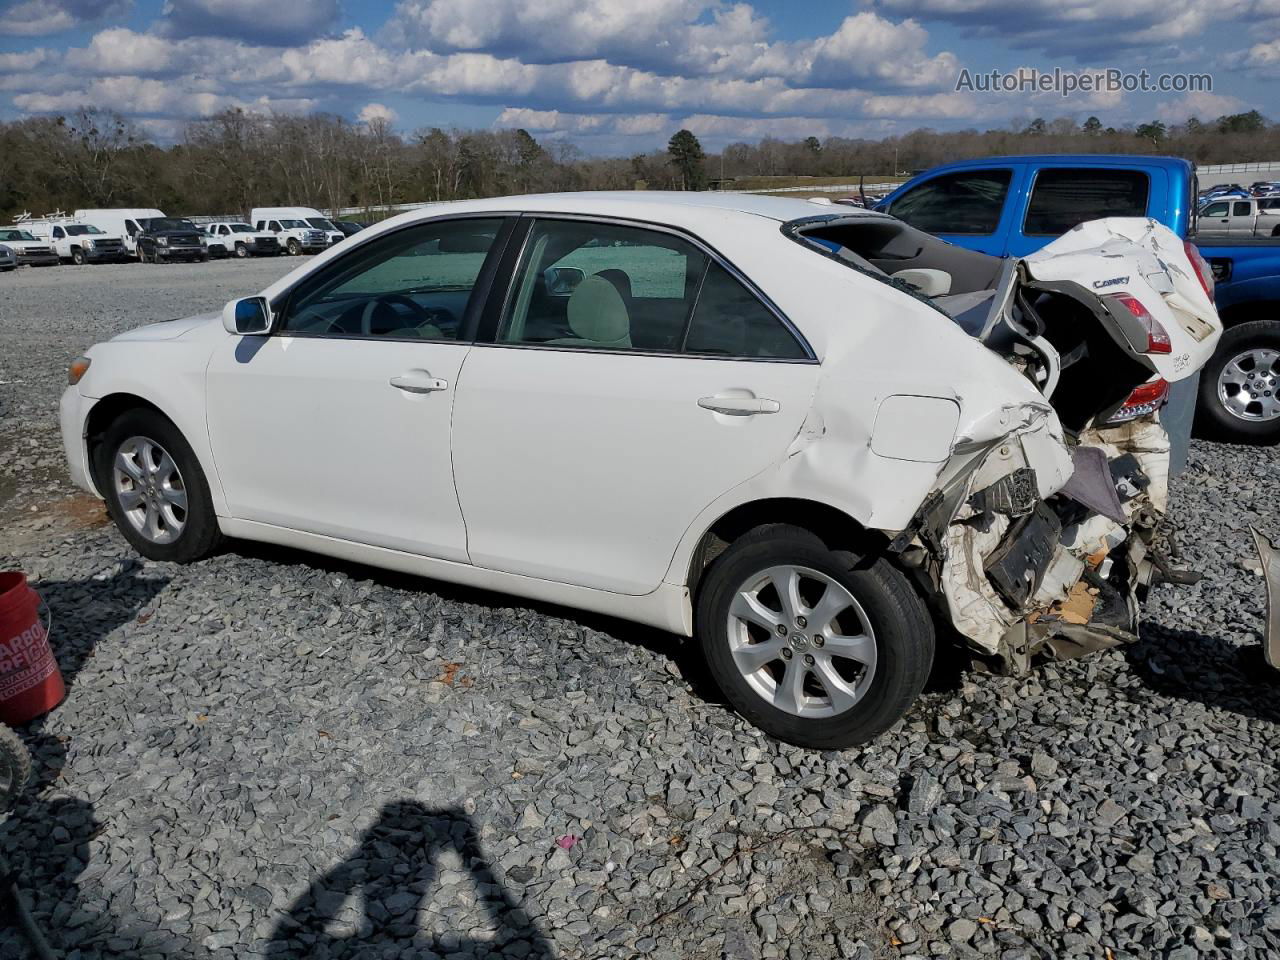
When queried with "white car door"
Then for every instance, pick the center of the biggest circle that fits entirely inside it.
(338, 423)
(608, 412)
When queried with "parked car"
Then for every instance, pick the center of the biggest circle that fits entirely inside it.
(1238, 218)
(293, 234)
(82, 243)
(243, 240)
(123, 222)
(8, 259)
(214, 245)
(300, 224)
(1014, 205)
(348, 227)
(162, 239)
(693, 411)
(27, 248)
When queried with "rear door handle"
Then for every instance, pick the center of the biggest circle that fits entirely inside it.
(418, 381)
(739, 406)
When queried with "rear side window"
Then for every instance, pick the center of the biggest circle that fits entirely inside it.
(1061, 199)
(968, 203)
(1240, 209)
(604, 286)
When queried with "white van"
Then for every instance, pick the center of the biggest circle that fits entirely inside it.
(293, 219)
(120, 222)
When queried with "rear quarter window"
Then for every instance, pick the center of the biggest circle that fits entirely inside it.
(1061, 199)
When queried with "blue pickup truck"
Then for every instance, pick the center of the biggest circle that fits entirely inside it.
(1012, 206)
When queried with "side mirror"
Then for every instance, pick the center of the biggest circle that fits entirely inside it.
(249, 317)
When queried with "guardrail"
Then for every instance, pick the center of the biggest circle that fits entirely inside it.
(850, 188)
(1258, 166)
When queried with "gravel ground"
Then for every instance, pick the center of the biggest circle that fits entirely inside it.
(271, 754)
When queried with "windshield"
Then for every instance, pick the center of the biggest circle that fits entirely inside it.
(166, 223)
(81, 229)
(241, 228)
(293, 224)
(320, 223)
(15, 235)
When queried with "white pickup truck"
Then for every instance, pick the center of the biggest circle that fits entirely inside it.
(29, 250)
(81, 243)
(300, 229)
(1255, 217)
(242, 240)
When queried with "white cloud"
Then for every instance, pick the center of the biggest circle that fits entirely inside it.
(376, 111)
(1201, 105)
(867, 47)
(150, 97)
(260, 21)
(27, 60)
(34, 18)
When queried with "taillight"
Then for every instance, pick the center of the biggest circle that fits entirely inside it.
(1157, 336)
(1145, 399)
(1201, 267)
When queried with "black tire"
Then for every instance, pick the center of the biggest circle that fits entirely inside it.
(204, 257)
(1213, 419)
(15, 768)
(199, 536)
(903, 632)
(295, 248)
(77, 257)
(242, 251)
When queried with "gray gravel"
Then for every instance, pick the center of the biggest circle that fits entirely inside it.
(271, 754)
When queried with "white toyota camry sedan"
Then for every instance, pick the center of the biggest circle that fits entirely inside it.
(799, 433)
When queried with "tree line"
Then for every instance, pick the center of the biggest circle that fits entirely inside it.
(234, 160)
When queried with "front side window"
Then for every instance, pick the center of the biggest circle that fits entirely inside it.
(965, 203)
(1061, 199)
(1215, 210)
(414, 284)
(613, 287)
(57, 233)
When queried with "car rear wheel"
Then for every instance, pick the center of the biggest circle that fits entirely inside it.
(820, 648)
(155, 490)
(1240, 385)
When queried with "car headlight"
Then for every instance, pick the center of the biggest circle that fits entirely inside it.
(88, 244)
(163, 241)
(5, 251)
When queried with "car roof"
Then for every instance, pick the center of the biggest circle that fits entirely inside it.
(674, 207)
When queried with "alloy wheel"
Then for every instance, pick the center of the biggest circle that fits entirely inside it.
(150, 491)
(1249, 385)
(802, 641)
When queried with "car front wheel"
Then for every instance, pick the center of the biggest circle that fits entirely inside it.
(295, 248)
(155, 490)
(817, 647)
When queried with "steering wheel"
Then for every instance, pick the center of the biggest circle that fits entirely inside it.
(421, 313)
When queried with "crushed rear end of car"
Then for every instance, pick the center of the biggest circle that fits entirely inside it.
(1042, 532)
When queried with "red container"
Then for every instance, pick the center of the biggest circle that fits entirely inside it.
(30, 682)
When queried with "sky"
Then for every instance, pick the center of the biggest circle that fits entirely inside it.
(617, 77)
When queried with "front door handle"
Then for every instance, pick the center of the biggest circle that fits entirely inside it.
(739, 406)
(418, 381)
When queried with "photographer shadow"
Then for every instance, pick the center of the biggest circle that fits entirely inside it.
(396, 871)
